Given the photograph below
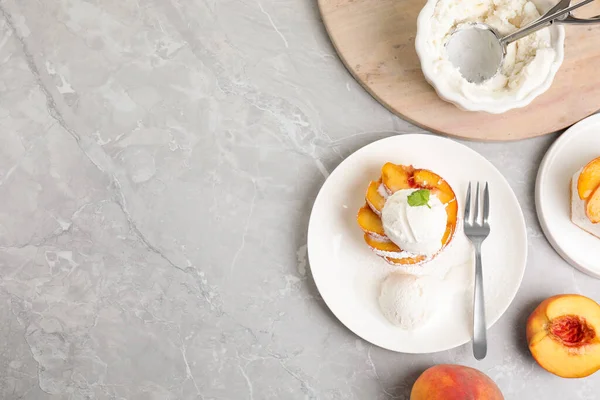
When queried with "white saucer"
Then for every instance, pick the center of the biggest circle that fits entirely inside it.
(571, 151)
(348, 274)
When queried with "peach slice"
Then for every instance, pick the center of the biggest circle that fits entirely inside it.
(589, 179)
(406, 260)
(396, 177)
(426, 179)
(390, 252)
(382, 244)
(562, 333)
(592, 208)
(454, 382)
(448, 234)
(374, 199)
(383, 247)
(369, 221)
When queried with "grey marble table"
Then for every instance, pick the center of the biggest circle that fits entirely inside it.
(158, 164)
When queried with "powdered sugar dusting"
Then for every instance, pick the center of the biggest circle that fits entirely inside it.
(383, 191)
(378, 237)
(372, 207)
(396, 254)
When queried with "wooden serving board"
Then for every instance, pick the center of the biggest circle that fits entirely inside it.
(376, 41)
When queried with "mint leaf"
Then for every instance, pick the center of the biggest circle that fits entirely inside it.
(419, 198)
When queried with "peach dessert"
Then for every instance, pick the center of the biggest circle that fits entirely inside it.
(454, 382)
(585, 198)
(409, 215)
(562, 333)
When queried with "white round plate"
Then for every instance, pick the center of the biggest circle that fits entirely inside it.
(571, 151)
(348, 274)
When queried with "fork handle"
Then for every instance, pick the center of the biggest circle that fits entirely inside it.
(479, 325)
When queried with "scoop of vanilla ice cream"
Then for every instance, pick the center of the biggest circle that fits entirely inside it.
(408, 301)
(418, 230)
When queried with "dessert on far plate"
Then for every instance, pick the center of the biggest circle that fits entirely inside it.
(410, 215)
(585, 198)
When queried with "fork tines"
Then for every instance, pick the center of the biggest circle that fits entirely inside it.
(472, 210)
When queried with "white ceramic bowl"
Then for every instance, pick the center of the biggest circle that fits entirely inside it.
(497, 106)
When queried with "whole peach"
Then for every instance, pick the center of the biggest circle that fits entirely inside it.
(454, 382)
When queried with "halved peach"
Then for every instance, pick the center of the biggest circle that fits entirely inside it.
(369, 221)
(562, 333)
(592, 208)
(374, 199)
(589, 179)
(396, 177)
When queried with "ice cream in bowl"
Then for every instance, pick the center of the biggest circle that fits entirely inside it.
(527, 69)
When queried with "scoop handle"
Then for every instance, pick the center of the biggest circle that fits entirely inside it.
(570, 19)
(580, 21)
(547, 19)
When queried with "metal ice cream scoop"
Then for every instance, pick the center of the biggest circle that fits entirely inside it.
(478, 51)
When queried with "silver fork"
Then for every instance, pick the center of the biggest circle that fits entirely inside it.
(477, 230)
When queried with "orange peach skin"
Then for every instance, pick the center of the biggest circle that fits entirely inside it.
(592, 208)
(562, 334)
(454, 382)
